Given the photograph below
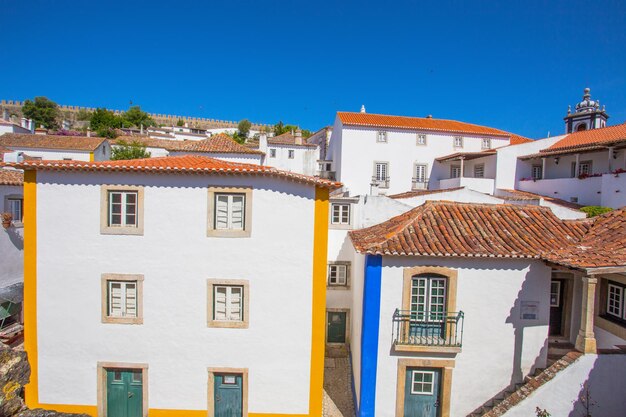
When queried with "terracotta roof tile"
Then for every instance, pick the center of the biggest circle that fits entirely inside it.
(215, 144)
(289, 139)
(27, 141)
(605, 135)
(439, 228)
(517, 195)
(11, 177)
(424, 123)
(418, 193)
(187, 164)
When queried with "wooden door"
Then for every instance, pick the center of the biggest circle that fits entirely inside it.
(421, 392)
(124, 393)
(228, 395)
(557, 287)
(336, 327)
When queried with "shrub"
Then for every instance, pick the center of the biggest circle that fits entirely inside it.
(593, 211)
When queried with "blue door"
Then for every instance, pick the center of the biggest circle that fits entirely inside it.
(421, 392)
(228, 395)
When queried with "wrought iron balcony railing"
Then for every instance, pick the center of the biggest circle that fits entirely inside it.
(420, 183)
(381, 182)
(428, 328)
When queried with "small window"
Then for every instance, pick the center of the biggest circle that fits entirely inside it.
(479, 171)
(584, 168)
(340, 213)
(381, 174)
(537, 172)
(615, 301)
(555, 294)
(421, 139)
(228, 303)
(381, 137)
(121, 298)
(15, 206)
(485, 144)
(337, 275)
(121, 210)
(230, 211)
(458, 141)
(291, 153)
(272, 153)
(455, 171)
(420, 173)
(422, 382)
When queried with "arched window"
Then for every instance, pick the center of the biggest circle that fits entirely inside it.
(581, 127)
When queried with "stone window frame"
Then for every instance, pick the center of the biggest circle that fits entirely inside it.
(228, 324)
(340, 226)
(445, 365)
(102, 367)
(105, 229)
(211, 388)
(417, 139)
(247, 220)
(14, 222)
(105, 278)
(461, 142)
(348, 266)
(384, 134)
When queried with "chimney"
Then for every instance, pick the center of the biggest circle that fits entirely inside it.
(88, 132)
(362, 108)
(24, 125)
(263, 142)
(298, 136)
(5, 114)
(430, 116)
(141, 129)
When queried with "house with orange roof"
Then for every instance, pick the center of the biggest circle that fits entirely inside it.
(164, 315)
(393, 154)
(55, 147)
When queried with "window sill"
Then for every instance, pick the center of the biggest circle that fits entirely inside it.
(336, 226)
(337, 287)
(228, 233)
(227, 324)
(136, 231)
(122, 320)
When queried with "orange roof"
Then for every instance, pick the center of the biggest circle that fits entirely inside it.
(188, 164)
(11, 177)
(424, 123)
(605, 135)
(72, 143)
(215, 144)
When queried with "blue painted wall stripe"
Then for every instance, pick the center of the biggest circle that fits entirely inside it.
(369, 334)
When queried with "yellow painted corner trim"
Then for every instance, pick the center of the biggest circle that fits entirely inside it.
(91, 158)
(318, 331)
(30, 285)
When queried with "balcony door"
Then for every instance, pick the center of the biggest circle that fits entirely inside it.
(428, 307)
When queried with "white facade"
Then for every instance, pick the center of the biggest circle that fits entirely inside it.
(101, 153)
(11, 241)
(294, 158)
(176, 258)
(244, 158)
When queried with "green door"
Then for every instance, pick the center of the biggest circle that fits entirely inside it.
(421, 392)
(228, 395)
(336, 327)
(124, 393)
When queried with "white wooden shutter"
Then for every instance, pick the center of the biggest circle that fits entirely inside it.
(341, 274)
(237, 211)
(420, 173)
(235, 303)
(116, 294)
(220, 303)
(131, 300)
(221, 212)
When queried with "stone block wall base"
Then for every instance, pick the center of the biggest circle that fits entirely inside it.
(586, 344)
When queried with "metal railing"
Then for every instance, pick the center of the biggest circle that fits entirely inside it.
(327, 175)
(428, 328)
(419, 183)
(380, 182)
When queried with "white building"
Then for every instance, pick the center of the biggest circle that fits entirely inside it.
(7, 126)
(289, 152)
(394, 154)
(52, 147)
(206, 275)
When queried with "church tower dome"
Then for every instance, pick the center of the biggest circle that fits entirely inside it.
(587, 115)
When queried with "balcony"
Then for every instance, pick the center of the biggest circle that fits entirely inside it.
(427, 331)
(327, 175)
(419, 183)
(380, 182)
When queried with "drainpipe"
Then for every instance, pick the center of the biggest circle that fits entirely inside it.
(577, 165)
(610, 157)
(543, 168)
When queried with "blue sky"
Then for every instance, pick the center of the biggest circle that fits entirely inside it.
(515, 65)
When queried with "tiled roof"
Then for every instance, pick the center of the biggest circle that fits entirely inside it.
(11, 177)
(215, 144)
(289, 139)
(517, 195)
(418, 193)
(590, 137)
(603, 246)
(439, 228)
(187, 164)
(424, 123)
(468, 156)
(73, 143)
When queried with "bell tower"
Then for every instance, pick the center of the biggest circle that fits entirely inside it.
(587, 115)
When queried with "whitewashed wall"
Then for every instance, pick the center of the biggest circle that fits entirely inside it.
(176, 258)
(255, 159)
(462, 195)
(587, 191)
(489, 292)
(102, 153)
(304, 160)
(11, 243)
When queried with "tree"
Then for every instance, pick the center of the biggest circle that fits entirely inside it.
(132, 150)
(134, 116)
(243, 128)
(180, 122)
(42, 111)
(104, 122)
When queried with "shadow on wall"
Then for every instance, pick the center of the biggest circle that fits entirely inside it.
(528, 311)
(602, 394)
(16, 238)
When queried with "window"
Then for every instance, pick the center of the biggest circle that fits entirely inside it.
(381, 174)
(15, 206)
(421, 139)
(537, 172)
(228, 304)
(420, 173)
(381, 137)
(422, 382)
(555, 294)
(455, 171)
(485, 144)
(121, 210)
(479, 171)
(291, 153)
(458, 142)
(229, 211)
(584, 168)
(615, 301)
(338, 275)
(428, 298)
(122, 298)
(340, 213)
(272, 153)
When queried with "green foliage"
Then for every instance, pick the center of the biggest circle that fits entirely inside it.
(132, 150)
(104, 122)
(280, 128)
(83, 115)
(107, 132)
(42, 111)
(134, 116)
(243, 128)
(593, 211)
(180, 122)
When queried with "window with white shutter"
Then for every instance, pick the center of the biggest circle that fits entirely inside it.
(486, 143)
(228, 303)
(381, 174)
(420, 173)
(458, 141)
(340, 213)
(338, 275)
(121, 294)
(230, 211)
(123, 208)
(381, 137)
(421, 139)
